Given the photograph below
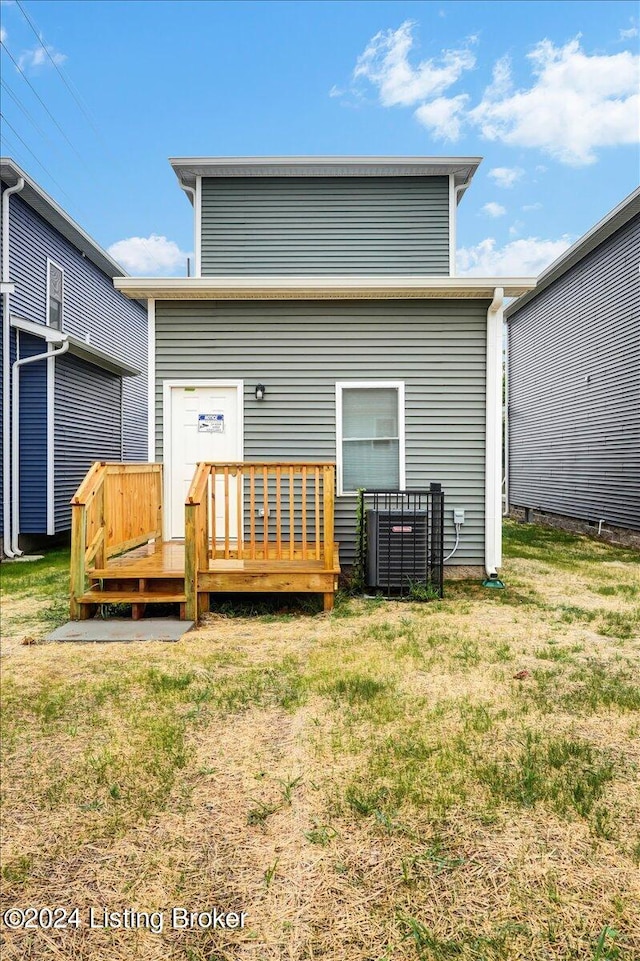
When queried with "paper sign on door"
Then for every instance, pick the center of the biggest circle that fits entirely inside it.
(211, 423)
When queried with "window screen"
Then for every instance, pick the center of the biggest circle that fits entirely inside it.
(370, 438)
(56, 294)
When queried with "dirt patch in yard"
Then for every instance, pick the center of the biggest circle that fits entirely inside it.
(391, 781)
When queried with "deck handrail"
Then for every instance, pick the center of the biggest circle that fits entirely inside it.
(198, 483)
(118, 506)
(258, 510)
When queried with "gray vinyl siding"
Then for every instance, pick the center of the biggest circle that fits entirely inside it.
(300, 349)
(325, 225)
(574, 445)
(87, 427)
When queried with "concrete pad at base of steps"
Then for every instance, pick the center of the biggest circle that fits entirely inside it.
(99, 630)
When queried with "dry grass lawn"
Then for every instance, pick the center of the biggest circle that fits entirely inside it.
(452, 780)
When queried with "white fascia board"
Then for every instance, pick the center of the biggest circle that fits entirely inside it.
(50, 334)
(59, 219)
(188, 168)
(320, 288)
(614, 220)
(77, 347)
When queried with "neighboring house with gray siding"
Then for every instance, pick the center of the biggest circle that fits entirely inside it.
(330, 282)
(85, 397)
(574, 384)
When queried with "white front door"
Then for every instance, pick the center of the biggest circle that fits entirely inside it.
(205, 425)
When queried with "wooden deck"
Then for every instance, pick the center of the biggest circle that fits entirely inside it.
(140, 568)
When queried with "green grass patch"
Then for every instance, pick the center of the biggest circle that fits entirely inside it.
(566, 773)
(589, 688)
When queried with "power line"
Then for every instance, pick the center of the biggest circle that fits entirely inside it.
(33, 89)
(39, 162)
(74, 93)
(24, 110)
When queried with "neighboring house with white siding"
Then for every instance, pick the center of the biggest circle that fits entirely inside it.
(74, 363)
(574, 385)
(325, 321)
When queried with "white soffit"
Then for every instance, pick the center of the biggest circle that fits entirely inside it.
(187, 169)
(320, 288)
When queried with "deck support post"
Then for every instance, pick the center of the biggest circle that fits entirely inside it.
(328, 489)
(191, 561)
(77, 611)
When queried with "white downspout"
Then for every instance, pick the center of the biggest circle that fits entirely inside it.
(6, 371)
(493, 453)
(195, 197)
(15, 435)
(505, 509)
(453, 225)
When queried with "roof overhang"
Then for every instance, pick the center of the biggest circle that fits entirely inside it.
(80, 348)
(53, 214)
(615, 219)
(187, 169)
(320, 288)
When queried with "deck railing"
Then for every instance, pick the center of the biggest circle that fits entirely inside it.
(241, 510)
(116, 508)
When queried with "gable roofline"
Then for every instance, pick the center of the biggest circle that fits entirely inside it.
(59, 219)
(187, 169)
(614, 220)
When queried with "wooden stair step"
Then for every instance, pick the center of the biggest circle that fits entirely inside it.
(121, 572)
(130, 597)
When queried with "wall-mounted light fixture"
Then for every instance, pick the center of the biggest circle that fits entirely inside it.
(260, 392)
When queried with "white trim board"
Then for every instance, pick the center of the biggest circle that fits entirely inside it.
(452, 225)
(167, 387)
(197, 229)
(151, 379)
(398, 385)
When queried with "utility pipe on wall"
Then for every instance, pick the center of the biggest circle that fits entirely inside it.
(493, 451)
(6, 371)
(63, 341)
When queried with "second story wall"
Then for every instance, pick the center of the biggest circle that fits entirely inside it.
(574, 389)
(325, 225)
(91, 305)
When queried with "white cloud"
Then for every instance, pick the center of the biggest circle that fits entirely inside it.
(385, 64)
(536, 206)
(526, 257)
(576, 104)
(150, 256)
(3, 35)
(493, 209)
(629, 34)
(443, 116)
(505, 176)
(38, 57)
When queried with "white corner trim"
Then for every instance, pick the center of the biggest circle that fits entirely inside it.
(197, 230)
(452, 225)
(167, 387)
(398, 385)
(493, 444)
(51, 473)
(51, 262)
(151, 380)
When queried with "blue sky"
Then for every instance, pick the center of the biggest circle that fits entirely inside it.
(545, 92)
